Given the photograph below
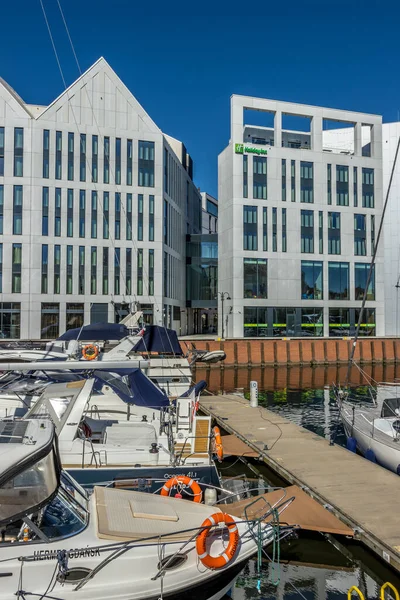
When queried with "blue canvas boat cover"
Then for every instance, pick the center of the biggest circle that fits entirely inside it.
(134, 388)
(197, 389)
(96, 332)
(159, 339)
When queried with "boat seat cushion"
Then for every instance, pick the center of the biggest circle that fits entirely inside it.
(124, 515)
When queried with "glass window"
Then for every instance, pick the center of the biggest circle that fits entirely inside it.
(93, 221)
(129, 150)
(95, 158)
(321, 231)
(82, 213)
(311, 280)
(151, 218)
(1, 208)
(1, 268)
(151, 272)
(334, 233)
(166, 174)
(10, 319)
(57, 268)
(71, 144)
(339, 282)
(372, 234)
(368, 324)
(284, 179)
(75, 314)
(82, 157)
(140, 218)
(165, 222)
(93, 270)
(342, 185)
(368, 196)
(329, 184)
(46, 153)
(284, 322)
(249, 228)
(284, 226)
(50, 317)
(1, 151)
(58, 173)
(260, 177)
(81, 271)
(106, 166)
(18, 151)
(146, 164)
(255, 322)
(312, 322)
(106, 215)
(361, 271)
(355, 186)
(339, 322)
(117, 221)
(129, 216)
(255, 278)
(70, 257)
(245, 176)
(57, 212)
(17, 209)
(360, 235)
(105, 271)
(307, 231)
(265, 229)
(45, 211)
(128, 271)
(45, 263)
(140, 272)
(306, 182)
(70, 213)
(293, 180)
(118, 161)
(165, 275)
(274, 230)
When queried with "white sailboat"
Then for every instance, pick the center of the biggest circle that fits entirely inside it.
(57, 542)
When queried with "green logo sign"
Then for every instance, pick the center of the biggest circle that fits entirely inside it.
(242, 149)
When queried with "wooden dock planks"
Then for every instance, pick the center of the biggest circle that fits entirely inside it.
(362, 495)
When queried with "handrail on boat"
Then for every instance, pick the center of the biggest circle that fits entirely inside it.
(391, 586)
(354, 588)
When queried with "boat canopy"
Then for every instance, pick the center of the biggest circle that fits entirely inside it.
(159, 339)
(196, 389)
(133, 388)
(96, 332)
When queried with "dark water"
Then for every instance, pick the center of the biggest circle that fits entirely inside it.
(312, 566)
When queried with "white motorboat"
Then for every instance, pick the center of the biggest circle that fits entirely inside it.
(374, 427)
(57, 542)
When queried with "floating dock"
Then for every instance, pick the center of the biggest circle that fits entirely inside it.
(363, 495)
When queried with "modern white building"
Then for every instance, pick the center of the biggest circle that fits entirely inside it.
(298, 213)
(95, 205)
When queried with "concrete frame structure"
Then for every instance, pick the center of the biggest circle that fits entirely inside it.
(284, 267)
(97, 104)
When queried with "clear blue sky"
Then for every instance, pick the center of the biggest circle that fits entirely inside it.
(183, 67)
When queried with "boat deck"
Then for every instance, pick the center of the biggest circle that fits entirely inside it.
(361, 494)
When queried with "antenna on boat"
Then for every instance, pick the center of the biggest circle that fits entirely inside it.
(353, 348)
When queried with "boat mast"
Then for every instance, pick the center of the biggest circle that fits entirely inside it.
(353, 348)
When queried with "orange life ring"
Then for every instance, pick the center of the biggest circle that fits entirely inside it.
(217, 562)
(185, 480)
(219, 451)
(90, 352)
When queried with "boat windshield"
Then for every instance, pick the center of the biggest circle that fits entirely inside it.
(28, 489)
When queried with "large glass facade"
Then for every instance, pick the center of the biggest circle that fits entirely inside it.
(307, 231)
(255, 278)
(201, 270)
(368, 195)
(339, 322)
(282, 321)
(146, 164)
(312, 283)
(334, 246)
(339, 281)
(50, 321)
(312, 322)
(260, 177)
(342, 185)
(249, 228)
(306, 182)
(361, 271)
(255, 322)
(368, 321)
(360, 235)
(10, 320)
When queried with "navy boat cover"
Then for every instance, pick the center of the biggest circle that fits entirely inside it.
(159, 339)
(197, 389)
(134, 388)
(96, 332)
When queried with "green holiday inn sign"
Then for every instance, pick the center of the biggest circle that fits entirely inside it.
(242, 149)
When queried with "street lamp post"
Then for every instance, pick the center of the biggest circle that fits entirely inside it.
(223, 295)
